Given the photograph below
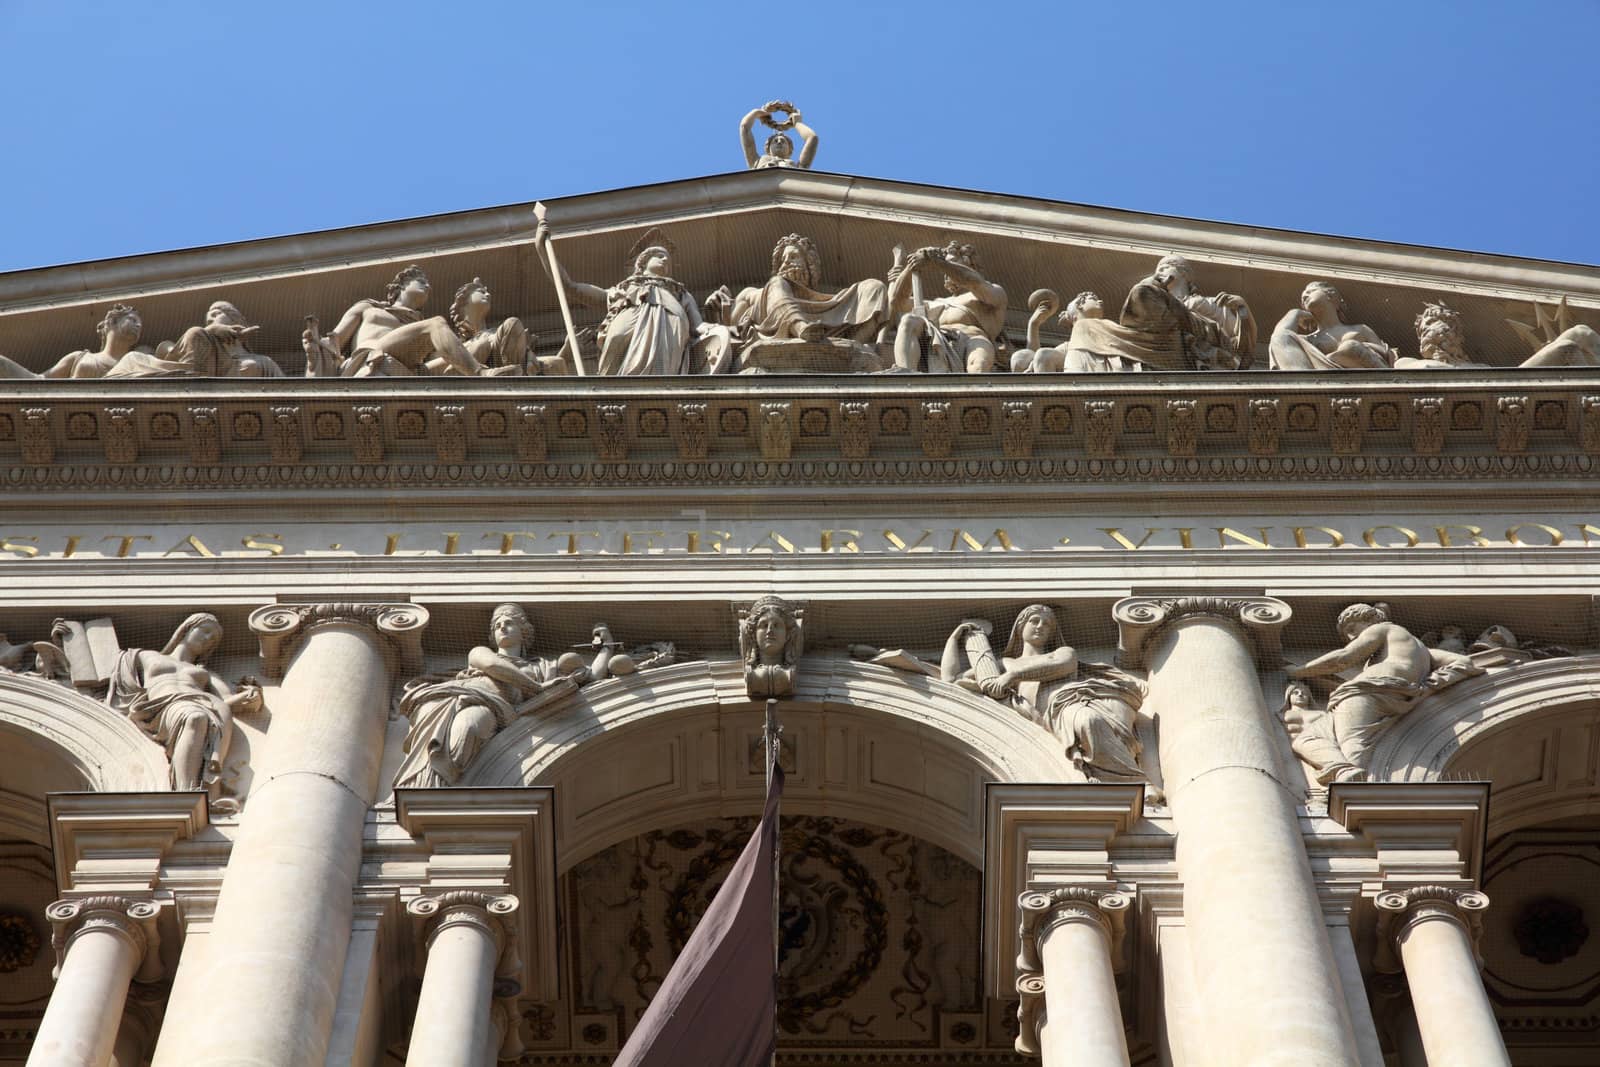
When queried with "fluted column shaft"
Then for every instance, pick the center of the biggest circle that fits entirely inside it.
(1433, 930)
(464, 939)
(101, 941)
(283, 918)
(1070, 1015)
(1265, 974)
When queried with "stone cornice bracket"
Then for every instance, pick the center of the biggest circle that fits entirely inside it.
(131, 918)
(1401, 909)
(1141, 620)
(1040, 911)
(493, 913)
(115, 842)
(1421, 833)
(280, 627)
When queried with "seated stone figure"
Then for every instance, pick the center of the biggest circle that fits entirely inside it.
(1166, 325)
(217, 348)
(957, 332)
(507, 345)
(390, 337)
(1037, 360)
(1442, 342)
(1319, 336)
(119, 331)
(791, 307)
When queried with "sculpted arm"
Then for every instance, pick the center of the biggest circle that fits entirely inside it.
(748, 138)
(951, 664)
(975, 283)
(348, 324)
(1366, 645)
(1060, 663)
(808, 143)
(503, 669)
(583, 292)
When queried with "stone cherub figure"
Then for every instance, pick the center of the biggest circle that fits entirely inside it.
(955, 333)
(1035, 359)
(1395, 671)
(1166, 324)
(390, 337)
(1312, 737)
(652, 323)
(180, 703)
(1091, 707)
(779, 149)
(771, 641)
(1442, 342)
(1320, 336)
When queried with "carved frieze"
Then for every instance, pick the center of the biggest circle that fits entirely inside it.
(119, 435)
(1427, 425)
(1016, 428)
(450, 433)
(691, 429)
(611, 432)
(1183, 428)
(286, 434)
(366, 433)
(1344, 434)
(205, 435)
(529, 433)
(1100, 428)
(1266, 426)
(35, 436)
(938, 429)
(1512, 424)
(855, 429)
(775, 430)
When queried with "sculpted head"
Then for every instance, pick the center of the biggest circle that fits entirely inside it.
(224, 312)
(1174, 272)
(1440, 334)
(1323, 293)
(510, 628)
(964, 254)
(1356, 618)
(120, 321)
(1086, 305)
(474, 295)
(410, 287)
(1035, 629)
(769, 633)
(779, 145)
(1297, 707)
(656, 260)
(797, 259)
(199, 634)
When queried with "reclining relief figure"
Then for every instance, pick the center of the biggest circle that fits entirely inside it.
(119, 331)
(958, 331)
(452, 717)
(1166, 325)
(1091, 707)
(1442, 342)
(390, 337)
(1320, 336)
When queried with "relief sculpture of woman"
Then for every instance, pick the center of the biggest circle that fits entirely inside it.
(180, 703)
(1091, 707)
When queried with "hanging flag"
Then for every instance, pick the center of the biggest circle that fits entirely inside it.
(718, 1004)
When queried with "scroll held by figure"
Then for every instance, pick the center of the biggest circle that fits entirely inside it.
(453, 716)
(1091, 707)
(779, 116)
(182, 704)
(771, 641)
(1394, 670)
(652, 323)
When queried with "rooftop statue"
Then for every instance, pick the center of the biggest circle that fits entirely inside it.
(1091, 707)
(1320, 336)
(952, 334)
(652, 323)
(779, 149)
(389, 337)
(1043, 303)
(1442, 341)
(1167, 325)
(791, 307)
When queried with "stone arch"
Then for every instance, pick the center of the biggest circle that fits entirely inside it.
(1531, 728)
(668, 746)
(103, 748)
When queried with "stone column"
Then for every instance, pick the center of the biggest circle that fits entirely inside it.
(1264, 970)
(1068, 941)
(465, 939)
(100, 942)
(277, 944)
(1433, 929)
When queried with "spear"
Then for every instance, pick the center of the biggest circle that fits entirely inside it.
(539, 211)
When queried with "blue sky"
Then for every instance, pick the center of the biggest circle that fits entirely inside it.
(136, 127)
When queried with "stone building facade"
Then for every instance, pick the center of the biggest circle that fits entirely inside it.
(1236, 706)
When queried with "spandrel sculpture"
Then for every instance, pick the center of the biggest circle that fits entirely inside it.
(1091, 707)
(1320, 336)
(652, 323)
(453, 716)
(1394, 670)
(1312, 737)
(1166, 324)
(180, 703)
(953, 334)
(779, 149)
(771, 641)
(390, 337)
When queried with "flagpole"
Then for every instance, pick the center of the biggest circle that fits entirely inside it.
(771, 734)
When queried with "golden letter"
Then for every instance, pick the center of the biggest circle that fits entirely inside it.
(1301, 542)
(1368, 535)
(391, 544)
(846, 544)
(649, 540)
(192, 543)
(1583, 528)
(508, 539)
(1115, 533)
(127, 541)
(777, 541)
(1474, 536)
(717, 537)
(1224, 533)
(72, 546)
(272, 543)
(16, 546)
(452, 541)
(1514, 538)
(899, 545)
(1184, 537)
(999, 537)
(572, 537)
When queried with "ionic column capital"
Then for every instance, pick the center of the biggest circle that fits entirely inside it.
(132, 919)
(280, 627)
(1401, 910)
(1142, 619)
(491, 913)
(1042, 910)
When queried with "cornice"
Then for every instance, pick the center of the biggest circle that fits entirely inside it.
(1484, 428)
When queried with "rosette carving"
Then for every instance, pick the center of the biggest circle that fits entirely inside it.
(130, 918)
(279, 628)
(1142, 619)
